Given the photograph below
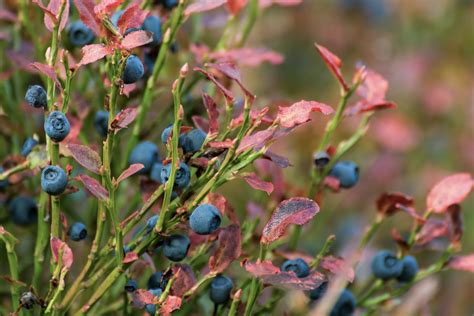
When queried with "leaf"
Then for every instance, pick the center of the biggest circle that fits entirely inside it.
(94, 187)
(280, 161)
(235, 6)
(432, 229)
(451, 190)
(132, 17)
(8, 16)
(85, 156)
(227, 94)
(171, 304)
(46, 11)
(58, 245)
(256, 140)
(136, 39)
(334, 64)
(124, 118)
(106, 7)
(219, 201)
(270, 274)
(130, 257)
(212, 113)
(338, 266)
(250, 57)
(130, 171)
(463, 263)
(94, 52)
(228, 143)
(54, 7)
(48, 71)
(200, 122)
(255, 182)
(229, 248)
(299, 112)
(202, 6)
(232, 72)
(387, 203)
(88, 16)
(184, 281)
(456, 221)
(296, 211)
(143, 297)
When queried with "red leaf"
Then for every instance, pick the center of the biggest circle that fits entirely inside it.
(107, 6)
(219, 201)
(332, 183)
(272, 275)
(433, 228)
(255, 182)
(200, 122)
(47, 12)
(132, 17)
(296, 211)
(280, 161)
(251, 57)
(8, 16)
(334, 64)
(387, 203)
(236, 5)
(48, 71)
(464, 263)
(203, 5)
(456, 221)
(228, 249)
(171, 304)
(338, 266)
(93, 53)
(124, 118)
(299, 112)
(212, 113)
(227, 94)
(257, 117)
(54, 7)
(256, 140)
(184, 281)
(228, 143)
(58, 245)
(231, 71)
(451, 190)
(136, 39)
(84, 155)
(130, 257)
(143, 297)
(94, 187)
(88, 16)
(130, 171)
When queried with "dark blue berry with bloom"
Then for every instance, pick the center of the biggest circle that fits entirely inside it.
(36, 96)
(53, 180)
(155, 281)
(145, 153)
(409, 270)
(101, 122)
(151, 223)
(205, 219)
(155, 173)
(28, 145)
(298, 266)
(165, 135)
(347, 172)
(182, 177)
(133, 71)
(151, 308)
(23, 210)
(345, 304)
(316, 293)
(131, 286)
(220, 289)
(153, 24)
(192, 141)
(386, 265)
(57, 126)
(79, 34)
(77, 231)
(176, 247)
(321, 159)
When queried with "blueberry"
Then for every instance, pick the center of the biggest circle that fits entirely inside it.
(155, 173)
(79, 34)
(28, 145)
(36, 96)
(205, 219)
(192, 141)
(145, 153)
(153, 24)
(168, 4)
(4, 183)
(298, 266)
(410, 269)
(126, 249)
(316, 293)
(345, 304)
(182, 177)
(176, 247)
(220, 289)
(151, 308)
(77, 231)
(53, 180)
(23, 210)
(131, 286)
(151, 223)
(386, 266)
(155, 281)
(347, 172)
(57, 126)
(165, 135)
(101, 122)
(134, 70)
(28, 300)
(149, 60)
(321, 159)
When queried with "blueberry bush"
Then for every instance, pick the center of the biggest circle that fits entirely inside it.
(129, 135)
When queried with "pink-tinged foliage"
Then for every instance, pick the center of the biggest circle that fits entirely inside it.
(130, 257)
(338, 266)
(278, 160)
(47, 12)
(6, 15)
(257, 117)
(227, 93)
(94, 187)
(94, 52)
(201, 122)
(269, 274)
(463, 263)
(297, 211)
(171, 304)
(132, 17)
(130, 171)
(88, 16)
(84, 155)
(299, 112)
(219, 201)
(48, 71)
(212, 113)
(143, 297)
(388, 203)
(451, 190)
(198, 6)
(334, 64)
(184, 281)
(251, 57)
(395, 132)
(332, 183)
(57, 245)
(256, 140)
(54, 7)
(432, 229)
(136, 39)
(456, 223)
(106, 7)
(235, 6)
(228, 250)
(228, 143)
(255, 182)
(124, 118)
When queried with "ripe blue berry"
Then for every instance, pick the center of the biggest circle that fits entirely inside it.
(145, 153)
(53, 180)
(386, 266)
(321, 159)
(205, 219)
(182, 177)
(133, 71)
(410, 269)
(153, 24)
(316, 293)
(347, 172)
(28, 145)
(57, 126)
(151, 308)
(4, 183)
(220, 289)
(168, 4)
(77, 231)
(155, 173)
(345, 304)
(79, 34)
(23, 210)
(165, 135)
(101, 122)
(298, 266)
(151, 223)
(36, 96)
(149, 61)
(192, 141)
(155, 281)
(131, 286)
(176, 247)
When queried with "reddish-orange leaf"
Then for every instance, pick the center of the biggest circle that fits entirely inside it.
(451, 190)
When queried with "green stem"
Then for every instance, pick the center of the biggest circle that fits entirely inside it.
(235, 303)
(323, 252)
(417, 228)
(253, 11)
(255, 285)
(12, 258)
(41, 241)
(18, 168)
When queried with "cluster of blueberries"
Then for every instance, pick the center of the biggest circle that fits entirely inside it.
(347, 172)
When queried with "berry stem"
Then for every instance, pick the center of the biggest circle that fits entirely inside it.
(12, 258)
(253, 12)
(323, 252)
(255, 286)
(18, 168)
(417, 226)
(41, 241)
